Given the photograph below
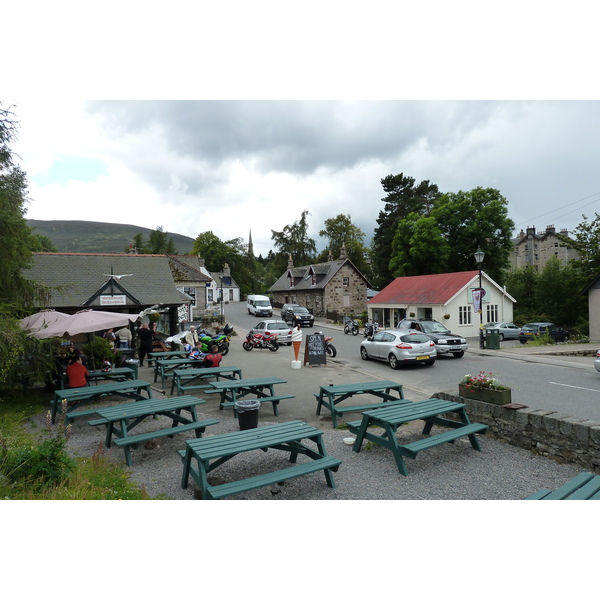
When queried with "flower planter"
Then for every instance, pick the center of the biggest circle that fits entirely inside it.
(485, 394)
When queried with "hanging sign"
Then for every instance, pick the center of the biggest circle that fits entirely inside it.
(117, 300)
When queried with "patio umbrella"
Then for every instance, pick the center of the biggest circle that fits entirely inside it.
(86, 321)
(42, 320)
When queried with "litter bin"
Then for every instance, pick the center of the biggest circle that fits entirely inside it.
(492, 339)
(247, 412)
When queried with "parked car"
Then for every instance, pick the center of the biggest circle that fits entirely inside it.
(398, 347)
(508, 331)
(281, 328)
(445, 341)
(530, 331)
(597, 361)
(298, 314)
(285, 308)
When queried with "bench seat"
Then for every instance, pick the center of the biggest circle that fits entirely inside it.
(273, 399)
(199, 426)
(251, 483)
(584, 486)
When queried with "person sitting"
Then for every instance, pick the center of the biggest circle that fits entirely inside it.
(77, 374)
(213, 358)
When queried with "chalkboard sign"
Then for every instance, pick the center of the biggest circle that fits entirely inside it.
(314, 350)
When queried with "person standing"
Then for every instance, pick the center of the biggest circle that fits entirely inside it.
(145, 336)
(111, 337)
(297, 339)
(191, 337)
(124, 337)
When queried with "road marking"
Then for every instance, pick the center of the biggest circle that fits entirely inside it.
(574, 386)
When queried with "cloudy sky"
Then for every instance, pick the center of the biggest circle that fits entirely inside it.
(243, 140)
(235, 166)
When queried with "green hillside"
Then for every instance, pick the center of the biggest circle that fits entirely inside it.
(91, 236)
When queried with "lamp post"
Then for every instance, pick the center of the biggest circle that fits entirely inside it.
(479, 255)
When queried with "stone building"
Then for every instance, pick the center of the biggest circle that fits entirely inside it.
(536, 249)
(331, 289)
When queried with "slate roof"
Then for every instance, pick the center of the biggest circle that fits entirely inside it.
(81, 276)
(425, 289)
(302, 276)
(186, 266)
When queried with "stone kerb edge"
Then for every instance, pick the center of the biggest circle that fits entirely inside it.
(549, 433)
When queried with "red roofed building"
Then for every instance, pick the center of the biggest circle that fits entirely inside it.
(447, 297)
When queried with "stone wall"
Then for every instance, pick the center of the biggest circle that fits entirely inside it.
(548, 433)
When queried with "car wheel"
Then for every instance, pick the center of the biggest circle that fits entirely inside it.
(394, 363)
(458, 354)
(430, 362)
(363, 354)
(289, 343)
(523, 341)
(501, 336)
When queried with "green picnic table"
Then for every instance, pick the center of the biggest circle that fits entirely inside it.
(166, 354)
(389, 418)
(121, 419)
(585, 486)
(330, 396)
(211, 452)
(165, 366)
(188, 379)
(117, 374)
(77, 397)
(263, 388)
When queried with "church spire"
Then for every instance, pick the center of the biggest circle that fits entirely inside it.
(250, 245)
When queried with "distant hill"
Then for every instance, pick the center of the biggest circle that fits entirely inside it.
(91, 236)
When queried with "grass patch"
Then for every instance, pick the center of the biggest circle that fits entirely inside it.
(38, 458)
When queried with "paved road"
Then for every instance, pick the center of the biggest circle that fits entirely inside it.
(567, 384)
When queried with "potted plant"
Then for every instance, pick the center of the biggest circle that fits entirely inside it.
(485, 387)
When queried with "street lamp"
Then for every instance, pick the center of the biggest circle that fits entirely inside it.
(479, 255)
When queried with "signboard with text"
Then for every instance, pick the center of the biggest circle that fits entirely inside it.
(116, 300)
(314, 350)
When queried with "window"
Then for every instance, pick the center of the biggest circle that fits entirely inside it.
(346, 281)
(464, 315)
(492, 313)
(209, 294)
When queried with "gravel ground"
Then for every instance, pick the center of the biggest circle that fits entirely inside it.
(447, 472)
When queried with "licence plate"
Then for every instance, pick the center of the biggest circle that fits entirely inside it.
(422, 357)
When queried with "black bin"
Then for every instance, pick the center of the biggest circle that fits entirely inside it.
(247, 412)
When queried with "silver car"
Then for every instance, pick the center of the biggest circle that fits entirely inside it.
(508, 331)
(398, 347)
(281, 328)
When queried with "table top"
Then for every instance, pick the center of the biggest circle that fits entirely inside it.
(401, 412)
(164, 362)
(245, 383)
(168, 353)
(148, 407)
(230, 444)
(365, 386)
(208, 371)
(115, 371)
(105, 388)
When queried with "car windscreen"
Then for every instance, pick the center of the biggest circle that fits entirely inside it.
(433, 327)
(273, 326)
(262, 303)
(300, 309)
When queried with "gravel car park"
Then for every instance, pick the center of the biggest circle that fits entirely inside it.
(398, 347)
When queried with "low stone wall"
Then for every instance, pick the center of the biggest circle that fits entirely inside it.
(558, 436)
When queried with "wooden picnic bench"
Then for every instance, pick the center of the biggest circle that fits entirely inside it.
(261, 387)
(389, 418)
(117, 374)
(584, 486)
(153, 356)
(165, 366)
(211, 452)
(121, 419)
(188, 379)
(330, 396)
(77, 397)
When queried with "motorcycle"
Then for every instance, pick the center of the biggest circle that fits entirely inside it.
(205, 341)
(371, 329)
(350, 326)
(329, 347)
(261, 340)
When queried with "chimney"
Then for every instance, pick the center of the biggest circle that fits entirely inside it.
(226, 270)
(132, 249)
(343, 252)
(290, 262)
(200, 262)
(330, 256)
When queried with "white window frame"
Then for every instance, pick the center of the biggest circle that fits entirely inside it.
(464, 315)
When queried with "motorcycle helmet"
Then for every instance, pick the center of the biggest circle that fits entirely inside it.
(106, 366)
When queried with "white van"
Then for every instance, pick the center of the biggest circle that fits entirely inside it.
(259, 306)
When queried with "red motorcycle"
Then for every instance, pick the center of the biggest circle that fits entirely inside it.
(261, 340)
(329, 347)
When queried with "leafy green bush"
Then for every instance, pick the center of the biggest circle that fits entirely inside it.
(98, 350)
